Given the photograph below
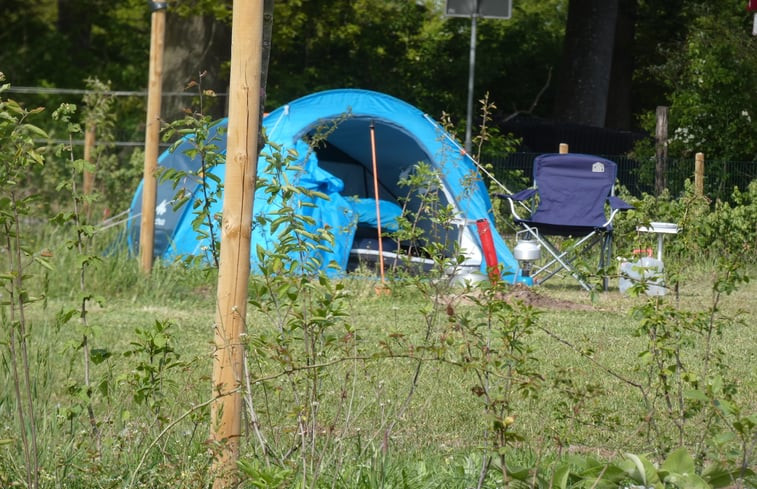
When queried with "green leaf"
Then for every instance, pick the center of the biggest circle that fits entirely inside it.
(44, 263)
(722, 438)
(560, 477)
(679, 462)
(696, 395)
(725, 406)
(718, 477)
(160, 340)
(99, 355)
(636, 470)
(641, 470)
(687, 481)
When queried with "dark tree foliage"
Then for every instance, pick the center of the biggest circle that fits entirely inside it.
(63, 43)
(705, 71)
(410, 50)
(320, 45)
(623, 58)
(29, 37)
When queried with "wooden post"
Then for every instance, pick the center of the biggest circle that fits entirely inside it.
(699, 174)
(152, 135)
(563, 148)
(236, 229)
(661, 150)
(89, 146)
(89, 176)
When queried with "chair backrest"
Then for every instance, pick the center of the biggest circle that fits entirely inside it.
(573, 189)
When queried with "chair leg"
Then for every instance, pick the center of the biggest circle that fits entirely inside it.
(605, 258)
(563, 260)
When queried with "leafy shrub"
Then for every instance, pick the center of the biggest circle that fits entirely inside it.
(707, 230)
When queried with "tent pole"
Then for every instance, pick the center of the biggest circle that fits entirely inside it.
(378, 206)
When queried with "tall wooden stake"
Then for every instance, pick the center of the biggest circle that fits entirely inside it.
(661, 145)
(89, 176)
(234, 265)
(699, 174)
(152, 135)
(89, 147)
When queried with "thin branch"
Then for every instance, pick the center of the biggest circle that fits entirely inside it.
(592, 360)
(536, 99)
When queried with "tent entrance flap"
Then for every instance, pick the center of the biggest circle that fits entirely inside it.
(345, 152)
(348, 143)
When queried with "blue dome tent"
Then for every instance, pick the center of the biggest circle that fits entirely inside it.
(341, 168)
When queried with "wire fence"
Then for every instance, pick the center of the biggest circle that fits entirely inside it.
(516, 170)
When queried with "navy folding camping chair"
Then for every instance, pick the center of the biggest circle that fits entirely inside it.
(568, 200)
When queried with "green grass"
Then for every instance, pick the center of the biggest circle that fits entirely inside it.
(437, 441)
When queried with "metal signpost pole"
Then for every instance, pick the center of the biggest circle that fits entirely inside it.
(475, 9)
(471, 76)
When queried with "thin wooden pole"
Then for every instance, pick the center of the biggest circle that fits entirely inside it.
(89, 146)
(236, 229)
(89, 176)
(152, 135)
(699, 174)
(563, 148)
(661, 150)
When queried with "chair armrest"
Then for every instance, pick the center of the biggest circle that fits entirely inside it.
(520, 196)
(616, 203)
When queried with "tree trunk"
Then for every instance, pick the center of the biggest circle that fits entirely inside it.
(619, 109)
(584, 81)
(195, 45)
(75, 23)
(266, 56)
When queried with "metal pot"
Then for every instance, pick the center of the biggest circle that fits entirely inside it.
(527, 250)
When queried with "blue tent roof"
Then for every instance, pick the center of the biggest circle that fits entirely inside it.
(341, 168)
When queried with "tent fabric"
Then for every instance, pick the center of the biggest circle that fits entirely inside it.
(388, 212)
(335, 213)
(339, 124)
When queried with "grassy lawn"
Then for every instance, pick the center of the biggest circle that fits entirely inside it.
(149, 404)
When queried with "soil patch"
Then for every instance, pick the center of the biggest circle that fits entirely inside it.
(530, 297)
